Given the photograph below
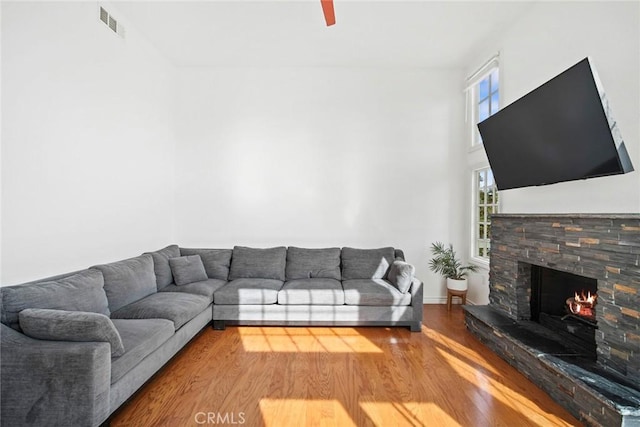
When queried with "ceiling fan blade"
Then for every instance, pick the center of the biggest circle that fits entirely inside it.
(329, 13)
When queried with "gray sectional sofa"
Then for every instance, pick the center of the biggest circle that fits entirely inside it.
(75, 347)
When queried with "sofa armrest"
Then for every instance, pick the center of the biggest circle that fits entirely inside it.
(417, 304)
(53, 382)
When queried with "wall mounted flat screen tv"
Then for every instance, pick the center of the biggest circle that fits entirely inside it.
(561, 131)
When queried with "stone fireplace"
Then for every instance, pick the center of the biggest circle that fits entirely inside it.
(586, 355)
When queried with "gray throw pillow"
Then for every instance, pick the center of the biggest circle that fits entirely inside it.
(82, 291)
(253, 263)
(78, 326)
(161, 264)
(401, 275)
(216, 261)
(187, 269)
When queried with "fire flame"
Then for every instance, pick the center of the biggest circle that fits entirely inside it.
(585, 299)
(582, 305)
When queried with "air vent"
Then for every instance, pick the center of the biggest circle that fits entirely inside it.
(104, 16)
(111, 22)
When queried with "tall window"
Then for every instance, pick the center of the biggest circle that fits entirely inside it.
(483, 100)
(486, 203)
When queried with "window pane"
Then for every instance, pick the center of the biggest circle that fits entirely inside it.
(481, 231)
(483, 110)
(481, 247)
(489, 178)
(490, 197)
(495, 103)
(494, 80)
(481, 216)
(484, 88)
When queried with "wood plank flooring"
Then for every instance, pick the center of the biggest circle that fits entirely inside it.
(274, 376)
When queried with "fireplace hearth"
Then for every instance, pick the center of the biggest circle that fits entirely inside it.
(584, 352)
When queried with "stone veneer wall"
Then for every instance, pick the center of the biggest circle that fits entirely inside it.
(603, 247)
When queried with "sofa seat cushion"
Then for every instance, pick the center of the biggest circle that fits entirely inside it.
(305, 263)
(254, 263)
(161, 266)
(248, 291)
(373, 292)
(205, 288)
(140, 338)
(82, 291)
(311, 292)
(216, 261)
(128, 280)
(179, 307)
(366, 263)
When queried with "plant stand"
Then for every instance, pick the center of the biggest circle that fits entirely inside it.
(454, 293)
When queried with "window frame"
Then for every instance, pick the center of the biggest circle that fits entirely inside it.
(473, 99)
(476, 155)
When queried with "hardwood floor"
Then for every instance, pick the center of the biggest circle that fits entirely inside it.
(274, 376)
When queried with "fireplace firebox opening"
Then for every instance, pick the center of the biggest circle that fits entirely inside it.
(566, 303)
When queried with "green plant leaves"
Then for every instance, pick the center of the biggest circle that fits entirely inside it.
(445, 262)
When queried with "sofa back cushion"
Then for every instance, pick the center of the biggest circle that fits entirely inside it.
(161, 267)
(128, 280)
(252, 263)
(305, 263)
(366, 263)
(216, 261)
(81, 291)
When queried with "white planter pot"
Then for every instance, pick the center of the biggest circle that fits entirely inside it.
(457, 285)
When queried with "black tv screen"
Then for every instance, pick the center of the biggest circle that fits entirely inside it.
(561, 131)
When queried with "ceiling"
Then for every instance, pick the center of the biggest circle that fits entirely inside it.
(433, 34)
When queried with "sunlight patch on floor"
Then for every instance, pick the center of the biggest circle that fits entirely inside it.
(463, 351)
(302, 412)
(407, 414)
(493, 387)
(306, 340)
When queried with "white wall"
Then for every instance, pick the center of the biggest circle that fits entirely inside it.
(87, 167)
(316, 157)
(545, 41)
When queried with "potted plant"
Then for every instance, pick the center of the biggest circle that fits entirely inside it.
(445, 263)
